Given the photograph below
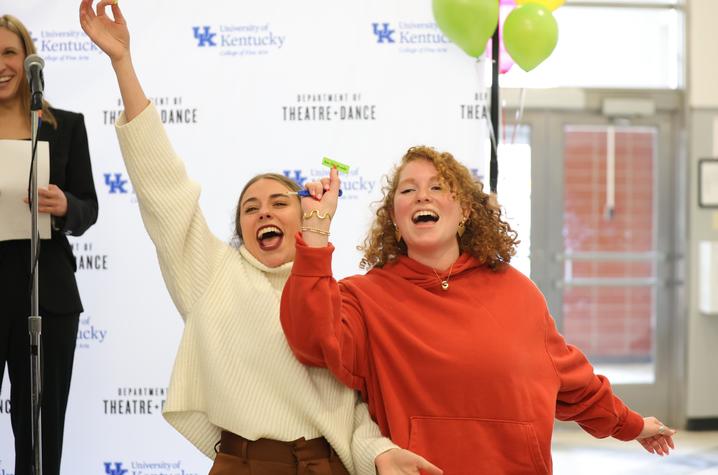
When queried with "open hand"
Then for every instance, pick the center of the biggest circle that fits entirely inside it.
(655, 437)
(404, 462)
(111, 36)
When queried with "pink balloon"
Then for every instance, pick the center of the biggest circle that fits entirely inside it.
(505, 61)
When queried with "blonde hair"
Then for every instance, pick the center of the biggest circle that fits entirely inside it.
(487, 237)
(15, 26)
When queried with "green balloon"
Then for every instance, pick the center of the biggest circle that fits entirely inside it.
(468, 23)
(530, 35)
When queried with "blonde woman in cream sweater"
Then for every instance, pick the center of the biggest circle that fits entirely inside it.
(237, 393)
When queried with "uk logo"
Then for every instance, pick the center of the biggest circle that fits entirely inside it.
(118, 470)
(204, 37)
(383, 33)
(116, 183)
(295, 175)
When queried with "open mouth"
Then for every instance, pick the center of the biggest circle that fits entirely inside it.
(4, 79)
(425, 216)
(269, 237)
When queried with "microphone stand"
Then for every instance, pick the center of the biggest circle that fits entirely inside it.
(34, 319)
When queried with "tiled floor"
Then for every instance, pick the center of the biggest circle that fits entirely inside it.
(577, 453)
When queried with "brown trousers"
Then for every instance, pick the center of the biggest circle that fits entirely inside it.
(239, 456)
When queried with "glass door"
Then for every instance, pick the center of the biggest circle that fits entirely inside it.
(602, 192)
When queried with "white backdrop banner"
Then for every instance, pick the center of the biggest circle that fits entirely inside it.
(244, 88)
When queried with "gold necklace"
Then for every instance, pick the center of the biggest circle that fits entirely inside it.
(445, 282)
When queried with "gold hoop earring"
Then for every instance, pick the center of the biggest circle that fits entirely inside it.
(462, 228)
(397, 233)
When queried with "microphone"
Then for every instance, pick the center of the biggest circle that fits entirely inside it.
(33, 71)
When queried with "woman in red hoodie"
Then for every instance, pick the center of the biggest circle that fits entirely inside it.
(454, 350)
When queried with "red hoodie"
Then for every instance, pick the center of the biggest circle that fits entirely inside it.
(471, 378)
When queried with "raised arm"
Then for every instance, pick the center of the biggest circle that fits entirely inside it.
(188, 252)
(113, 37)
(324, 325)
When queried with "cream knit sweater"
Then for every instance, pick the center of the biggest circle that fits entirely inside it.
(233, 368)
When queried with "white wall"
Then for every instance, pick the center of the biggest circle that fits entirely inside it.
(702, 345)
(702, 58)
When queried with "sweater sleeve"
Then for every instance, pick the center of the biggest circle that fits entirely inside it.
(367, 441)
(322, 319)
(169, 204)
(585, 397)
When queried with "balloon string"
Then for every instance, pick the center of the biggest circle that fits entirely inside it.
(519, 114)
(503, 121)
(487, 116)
(492, 132)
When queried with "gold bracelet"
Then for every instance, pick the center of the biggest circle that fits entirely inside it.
(315, 230)
(316, 213)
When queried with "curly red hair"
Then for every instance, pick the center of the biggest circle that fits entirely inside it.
(487, 236)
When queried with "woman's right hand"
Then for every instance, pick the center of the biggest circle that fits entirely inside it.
(324, 194)
(319, 208)
(402, 462)
(111, 36)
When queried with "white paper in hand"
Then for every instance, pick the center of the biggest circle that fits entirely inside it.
(15, 218)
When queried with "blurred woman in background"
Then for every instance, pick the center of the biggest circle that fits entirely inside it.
(71, 200)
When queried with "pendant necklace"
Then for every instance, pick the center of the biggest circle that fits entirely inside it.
(444, 282)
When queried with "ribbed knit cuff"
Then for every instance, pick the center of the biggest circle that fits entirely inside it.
(365, 455)
(631, 427)
(312, 261)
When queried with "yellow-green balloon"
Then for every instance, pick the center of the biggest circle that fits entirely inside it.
(530, 35)
(550, 4)
(468, 23)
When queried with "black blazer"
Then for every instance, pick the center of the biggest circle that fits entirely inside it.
(71, 171)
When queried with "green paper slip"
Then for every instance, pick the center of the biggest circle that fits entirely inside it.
(328, 162)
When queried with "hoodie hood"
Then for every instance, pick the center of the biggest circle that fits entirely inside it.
(424, 276)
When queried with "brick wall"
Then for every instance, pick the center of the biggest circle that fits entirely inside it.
(614, 323)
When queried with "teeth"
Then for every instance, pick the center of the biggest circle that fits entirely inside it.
(424, 213)
(268, 229)
(5, 78)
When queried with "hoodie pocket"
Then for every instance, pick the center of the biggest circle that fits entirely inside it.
(467, 446)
